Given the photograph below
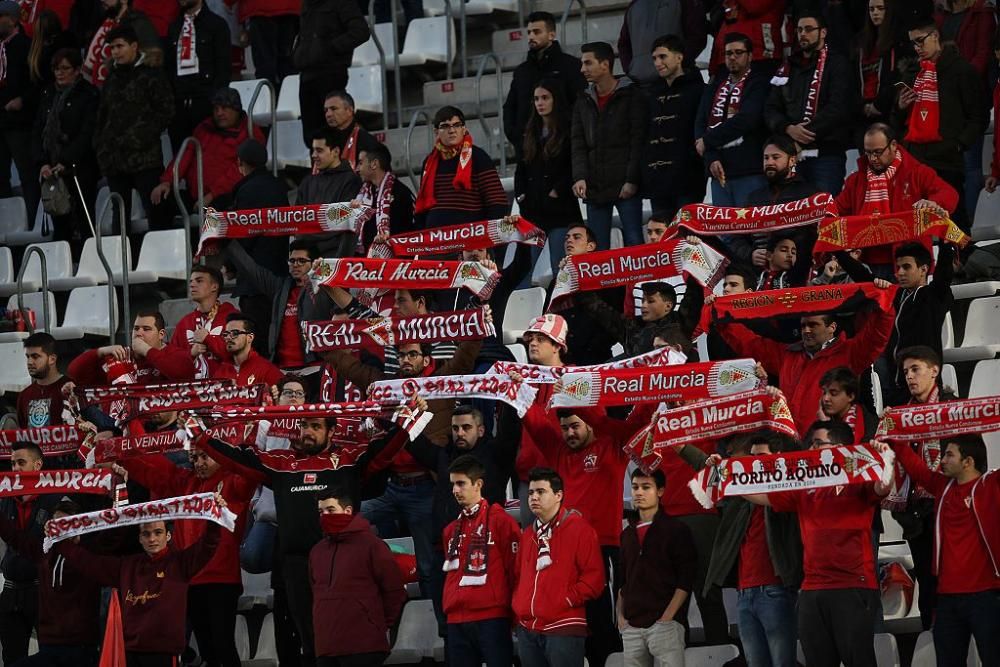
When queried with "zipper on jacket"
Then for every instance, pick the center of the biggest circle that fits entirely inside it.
(982, 533)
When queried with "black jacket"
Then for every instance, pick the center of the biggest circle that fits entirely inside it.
(671, 165)
(741, 246)
(400, 210)
(608, 144)
(964, 115)
(17, 84)
(212, 46)
(551, 63)
(329, 31)
(534, 180)
(839, 103)
(259, 189)
(745, 129)
(339, 184)
(20, 570)
(136, 106)
(651, 573)
(77, 120)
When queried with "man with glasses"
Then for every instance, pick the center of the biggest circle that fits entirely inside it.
(729, 128)
(242, 363)
(890, 179)
(839, 600)
(814, 101)
(943, 110)
(460, 183)
(292, 300)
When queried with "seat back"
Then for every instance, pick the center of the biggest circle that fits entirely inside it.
(291, 150)
(288, 98)
(90, 264)
(886, 652)
(261, 111)
(13, 373)
(981, 323)
(523, 306)
(987, 209)
(13, 215)
(88, 308)
(35, 301)
(267, 649)
(428, 38)
(58, 261)
(986, 382)
(710, 656)
(367, 53)
(163, 253)
(6, 265)
(365, 86)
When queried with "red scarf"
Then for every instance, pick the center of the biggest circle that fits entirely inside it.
(925, 116)
(363, 272)
(904, 423)
(95, 65)
(463, 173)
(379, 202)
(187, 53)
(543, 533)
(797, 301)
(469, 236)
(870, 69)
(350, 152)
(726, 102)
(96, 482)
(303, 219)
(3, 54)
(378, 333)
(53, 440)
(334, 524)
(866, 231)
(877, 192)
(705, 219)
(473, 524)
(812, 98)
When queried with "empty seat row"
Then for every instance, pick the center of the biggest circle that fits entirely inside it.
(86, 314)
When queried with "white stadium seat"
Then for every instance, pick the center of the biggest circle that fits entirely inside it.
(426, 42)
(986, 225)
(40, 231)
(13, 373)
(367, 53)
(710, 656)
(288, 99)
(982, 337)
(364, 84)
(161, 256)
(87, 314)
(986, 382)
(522, 307)
(13, 217)
(292, 151)
(261, 111)
(58, 266)
(35, 301)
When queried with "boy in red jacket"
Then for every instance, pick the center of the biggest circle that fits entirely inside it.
(480, 563)
(357, 589)
(559, 568)
(153, 586)
(966, 546)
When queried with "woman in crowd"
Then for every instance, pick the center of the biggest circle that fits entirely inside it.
(878, 54)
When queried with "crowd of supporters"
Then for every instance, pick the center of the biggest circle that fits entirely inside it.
(520, 533)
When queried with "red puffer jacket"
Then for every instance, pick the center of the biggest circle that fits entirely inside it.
(250, 8)
(218, 149)
(760, 20)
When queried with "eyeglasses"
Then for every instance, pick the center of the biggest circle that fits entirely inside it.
(876, 153)
(807, 29)
(736, 53)
(233, 333)
(411, 356)
(919, 41)
(291, 393)
(816, 442)
(444, 127)
(298, 260)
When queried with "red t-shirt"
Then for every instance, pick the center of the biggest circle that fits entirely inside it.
(836, 526)
(641, 529)
(289, 337)
(677, 498)
(756, 568)
(41, 405)
(964, 565)
(602, 100)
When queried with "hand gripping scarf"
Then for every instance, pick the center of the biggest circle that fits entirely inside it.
(405, 274)
(279, 221)
(535, 374)
(519, 395)
(52, 440)
(866, 231)
(470, 236)
(93, 482)
(321, 336)
(708, 220)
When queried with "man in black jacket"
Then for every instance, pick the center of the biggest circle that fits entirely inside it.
(198, 62)
(338, 110)
(658, 561)
(391, 201)
(951, 118)
(673, 172)
(329, 31)
(814, 101)
(609, 131)
(333, 180)
(730, 129)
(546, 60)
(17, 109)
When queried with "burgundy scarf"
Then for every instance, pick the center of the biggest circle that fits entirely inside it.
(726, 102)
(463, 173)
(474, 522)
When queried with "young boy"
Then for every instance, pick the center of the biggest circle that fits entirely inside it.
(781, 254)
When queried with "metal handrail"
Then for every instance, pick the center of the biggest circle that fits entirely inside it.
(99, 246)
(449, 31)
(381, 62)
(479, 103)
(463, 30)
(34, 250)
(201, 191)
(583, 19)
(393, 8)
(409, 136)
(266, 83)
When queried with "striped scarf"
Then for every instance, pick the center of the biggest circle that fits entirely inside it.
(877, 192)
(925, 115)
(474, 522)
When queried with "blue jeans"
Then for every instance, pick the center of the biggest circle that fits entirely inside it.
(766, 618)
(477, 642)
(50, 655)
(538, 650)
(736, 191)
(630, 214)
(826, 172)
(257, 550)
(958, 617)
(413, 504)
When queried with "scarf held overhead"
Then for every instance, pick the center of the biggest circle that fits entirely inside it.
(280, 221)
(188, 398)
(95, 482)
(791, 471)
(865, 231)
(518, 395)
(321, 336)
(196, 506)
(363, 272)
(463, 173)
(470, 236)
(53, 440)
(626, 266)
(795, 301)
(711, 220)
(934, 421)
(665, 356)
(711, 379)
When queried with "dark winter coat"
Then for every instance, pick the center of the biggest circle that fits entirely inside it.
(534, 180)
(259, 189)
(17, 84)
(671, 165)
(608, 144)
(654, 570)
(136, 106)
(745, 129)
(77, 121)
(211, 33)
(329, 31)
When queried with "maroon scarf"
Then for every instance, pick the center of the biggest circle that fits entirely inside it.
(474, 523)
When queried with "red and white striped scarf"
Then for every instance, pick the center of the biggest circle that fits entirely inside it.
(925, 115)
(187, 53)
(930, 452)
(95, 64)
(877, 192)
(474, 523)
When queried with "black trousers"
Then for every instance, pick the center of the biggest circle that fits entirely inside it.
(211, 610)
(713, 610)
(271, 40)
(74, 224)
(604, 638)
(838, 626)
(188, 112)
(313, 88)
(356, 660)
(922, 550)
(135, 659)
(15, 146)
(18, 617)
(295, 571)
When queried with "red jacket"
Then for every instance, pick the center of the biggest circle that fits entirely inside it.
(254, 370)
(466, 604)
(799, 372)
(161, 14)
(975, 35)
(32, 9)
(218, 149)
(159, 365)
(153, 590)
(165, 480)
(250, 8)
(357, 591)
(995, 162)
(183, 336)
(985, 500)
(550, 600)
(760, 20)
